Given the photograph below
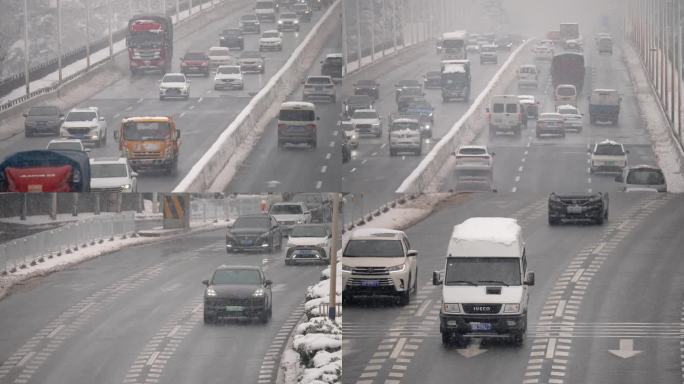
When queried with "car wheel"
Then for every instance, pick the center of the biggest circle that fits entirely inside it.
(263, 317)
(405, 297)
(553, 221)
(28, 133)
(599, 220)
(518, 339)
(446, 339)
(209, 319)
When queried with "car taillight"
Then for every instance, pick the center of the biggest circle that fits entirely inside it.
(204, 64)
(311, 126)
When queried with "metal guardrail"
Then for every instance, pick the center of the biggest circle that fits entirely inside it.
(29, 251)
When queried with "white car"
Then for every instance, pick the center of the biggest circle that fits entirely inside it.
(174, 85)
(379, 261)
(271, 40)
(528, 76)
(220, 56)
(543, 53)
(85, 124)
(66, 144)
(347, 127)
(229, 76)
(288, 21)
(112, 175)
(308, 243)
(474, 164)
(319, 88)
(367, 122)
(289, 214)
(405, 135)
(608, 157)
(572, 118)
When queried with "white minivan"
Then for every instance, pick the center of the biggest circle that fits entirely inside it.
(266, 10)
(528, 76)
(485, 282)
(566, 94)
(505, 115)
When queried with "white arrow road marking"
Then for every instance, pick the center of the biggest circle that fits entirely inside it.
(626, 349)
(473, 349)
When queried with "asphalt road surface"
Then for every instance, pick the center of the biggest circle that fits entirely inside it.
(135, 316)
(201, 119)
(597, 287)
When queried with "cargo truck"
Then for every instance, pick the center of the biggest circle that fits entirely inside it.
(149, 39)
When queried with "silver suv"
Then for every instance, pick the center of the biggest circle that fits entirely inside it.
(319, 88)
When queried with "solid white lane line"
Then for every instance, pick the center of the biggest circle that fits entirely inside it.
(55, 331)
(26, 358)
(589, 180)
(374, 153)
(364, 161)
(191, 107)
(551, 348)
(526, 152)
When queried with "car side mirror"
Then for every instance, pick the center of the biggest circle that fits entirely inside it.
(492, 154)
(619, 178)
(436, 278)
(412, 253)
(205, 282)
(178, 134)
(268, 283)
(529, 279)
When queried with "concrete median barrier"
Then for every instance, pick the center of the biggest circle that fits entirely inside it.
(465, 129)
(261, 109)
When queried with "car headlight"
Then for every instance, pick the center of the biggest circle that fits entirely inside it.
(211, 292)
(223, 38)
(93, 137)
(594, 199)
(300, 221)
(258, 293)
(126, 187)
(280, 21)
(376, 124)
(355, 136)
(512, 308)
(296, 21)
(346, 268)
(451, 308)
(397, 268)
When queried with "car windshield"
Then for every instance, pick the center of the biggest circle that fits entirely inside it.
(366, 83)
(373, 248)
(288, 16)
(252, 222)
(108, 170)
(174, 79)
(453, 44)
(359, 100)
(645, 177)
(219, 52)
(400, 126)
(195, 56)
(609, 150)
(43, 111)
(567, 111)
(236, 276)
(300, 7)
(286, 209)
(231, 32)
(472, 151)
(250, 55)
(318, 80)
(72, 145)
(409, 84)
(229, 70)
(264, 5)
(248, 18)
(482, 270)
(334, 61)
(364, 115)
(81, 116)
(271, 34)
(146, 130)
(309, 231)
(297, 115)
(347, 126)
(566, 91)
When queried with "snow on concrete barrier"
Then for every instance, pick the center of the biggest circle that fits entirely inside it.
(470, 123)
(262, 108)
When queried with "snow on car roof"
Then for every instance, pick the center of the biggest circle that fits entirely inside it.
(375, 233)
(501, 230)
(454, 68)
(608, 141)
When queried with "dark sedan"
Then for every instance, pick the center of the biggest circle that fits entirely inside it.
(250, 24)
(367, 87)
(254, 233)
(303, 11)
(236, 292)
(43, 119)
(583, 207)
(232, 38)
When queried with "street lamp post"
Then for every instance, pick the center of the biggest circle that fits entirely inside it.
(87, 7)
(26, 49)
(59, 41)
(332, 303)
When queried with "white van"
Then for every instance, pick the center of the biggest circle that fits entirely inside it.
(566, 94)
(505, 115)
(528, 76)
(485, 282)
(266, 10)
(297, 124)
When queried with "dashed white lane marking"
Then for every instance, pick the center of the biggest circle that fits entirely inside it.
(332, 144)
(383, 145)
(116, 115)
(589, 180)
(517, 179)
(182, 114)
(319, 184)
(324, 168)
(328, 156)
(560, 308)
(514, 189)
(577, 275)
(364, 161)
(130, 107)
(56, 330)
(191, 107)
(200, 99)
(523, 159)
(374, 154)
(140, 100)
(550, 348)
(520, 168)
(152, 358)
(26, 358)
(352, 170)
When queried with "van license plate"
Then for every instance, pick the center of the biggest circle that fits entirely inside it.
(574, 209)
(480, 327)
(234, 308)
(370, 283)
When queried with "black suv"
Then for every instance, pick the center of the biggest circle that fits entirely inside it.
(585, 207)
(254, 233)
(43, 119)
(367, 87)
(236, 292)
(332, 65)
(250, 24)
(355, 102)
(232, 38)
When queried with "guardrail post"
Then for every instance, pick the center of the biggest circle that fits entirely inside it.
(190, 9)
(177, 10)
(371, 23)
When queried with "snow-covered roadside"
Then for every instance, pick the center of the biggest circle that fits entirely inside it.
(668, 153)
(68, 258)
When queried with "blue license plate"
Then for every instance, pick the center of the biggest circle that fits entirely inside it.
(370, 283)
(480, 327)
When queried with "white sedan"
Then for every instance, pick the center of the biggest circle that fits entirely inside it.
(229, 76)
(174, 85)
(271, 40)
